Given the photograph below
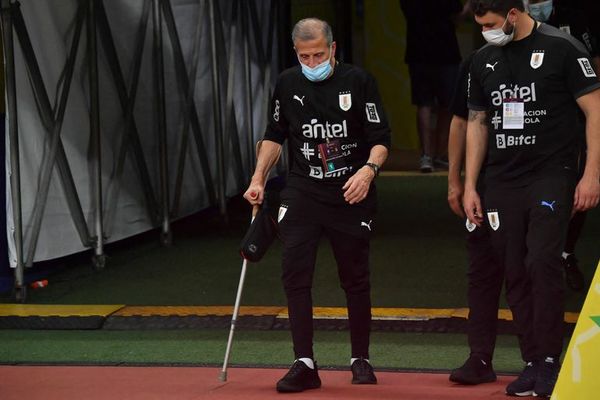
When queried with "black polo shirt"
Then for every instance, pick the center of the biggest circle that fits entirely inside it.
(546, 71)
(345, 107)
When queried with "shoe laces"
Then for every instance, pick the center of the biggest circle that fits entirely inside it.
(548, 372)
(529, 372)
(297, 368)
(476, 362)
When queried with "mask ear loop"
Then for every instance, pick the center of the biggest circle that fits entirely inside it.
(510, 23)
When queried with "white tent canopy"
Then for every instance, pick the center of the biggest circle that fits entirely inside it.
(124, 115)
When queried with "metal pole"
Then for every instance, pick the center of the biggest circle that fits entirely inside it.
(248, 98)
(99, 258)
(190, 116)
(216, 89)
(236, 309)
(47, 117)
(15, 172)
(231, 129)
(50, 157)
(184, 86)
(159, 82)
(127, 97)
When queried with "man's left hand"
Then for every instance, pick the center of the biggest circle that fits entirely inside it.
(587, 194)
(357, 187)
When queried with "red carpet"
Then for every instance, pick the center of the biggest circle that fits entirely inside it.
(192, 383)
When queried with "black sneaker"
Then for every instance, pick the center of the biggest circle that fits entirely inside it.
(525, 383)
(573, 274)
(299, 378)
(473, 372)
(362, 373)
(547, 375)
(426, 164)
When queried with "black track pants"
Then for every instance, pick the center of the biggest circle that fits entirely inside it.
(348, 228)
(485, 279)
(575, 228)
(528, 229)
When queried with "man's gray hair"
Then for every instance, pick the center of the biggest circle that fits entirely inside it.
(311, 29)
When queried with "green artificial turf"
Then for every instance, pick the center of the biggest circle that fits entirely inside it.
(259, 348)
(418, 259)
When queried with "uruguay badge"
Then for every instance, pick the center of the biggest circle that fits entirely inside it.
(345, 100)
(282, 210)
(470, 226)
(537, 58)
(494, 220)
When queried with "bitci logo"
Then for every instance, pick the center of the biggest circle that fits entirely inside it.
(503, 141)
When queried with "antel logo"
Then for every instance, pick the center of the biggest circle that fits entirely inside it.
(314, 130)
(524, 93)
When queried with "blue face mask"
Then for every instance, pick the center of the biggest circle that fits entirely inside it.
(541, 11)
(319, 72)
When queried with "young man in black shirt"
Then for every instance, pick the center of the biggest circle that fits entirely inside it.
(485, 274)
(338, 137)
(526, 90)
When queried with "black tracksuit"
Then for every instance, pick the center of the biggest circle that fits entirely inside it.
(345, 107)
(485, 274)
(530, 172)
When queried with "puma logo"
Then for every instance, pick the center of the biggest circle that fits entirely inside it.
(301, 100)
(549, 205)
(367, 225)
(492, 67)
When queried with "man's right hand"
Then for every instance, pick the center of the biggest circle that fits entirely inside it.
(255, 193)
(455, 195)
(472, 206)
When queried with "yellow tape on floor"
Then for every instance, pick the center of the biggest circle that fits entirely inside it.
(182, 311)
(50, 310)
(379, 313)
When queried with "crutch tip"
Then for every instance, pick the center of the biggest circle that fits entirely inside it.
(223, 376)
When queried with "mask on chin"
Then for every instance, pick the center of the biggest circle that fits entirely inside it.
(317, 73)
(498, 37)
(541, 11)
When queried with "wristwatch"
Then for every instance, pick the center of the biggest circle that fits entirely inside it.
(374, 167)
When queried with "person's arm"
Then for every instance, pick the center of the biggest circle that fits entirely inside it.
(456, 152)
(357, 187)
(587, 192)
(266, 158)
(477, 137)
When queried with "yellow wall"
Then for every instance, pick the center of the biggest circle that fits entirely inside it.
(385, 42)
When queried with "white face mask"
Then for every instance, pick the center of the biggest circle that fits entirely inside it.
(498, 37)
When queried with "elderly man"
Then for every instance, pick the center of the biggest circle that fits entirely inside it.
(338, 136)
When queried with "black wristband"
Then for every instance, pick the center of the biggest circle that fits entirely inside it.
(374, 167)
